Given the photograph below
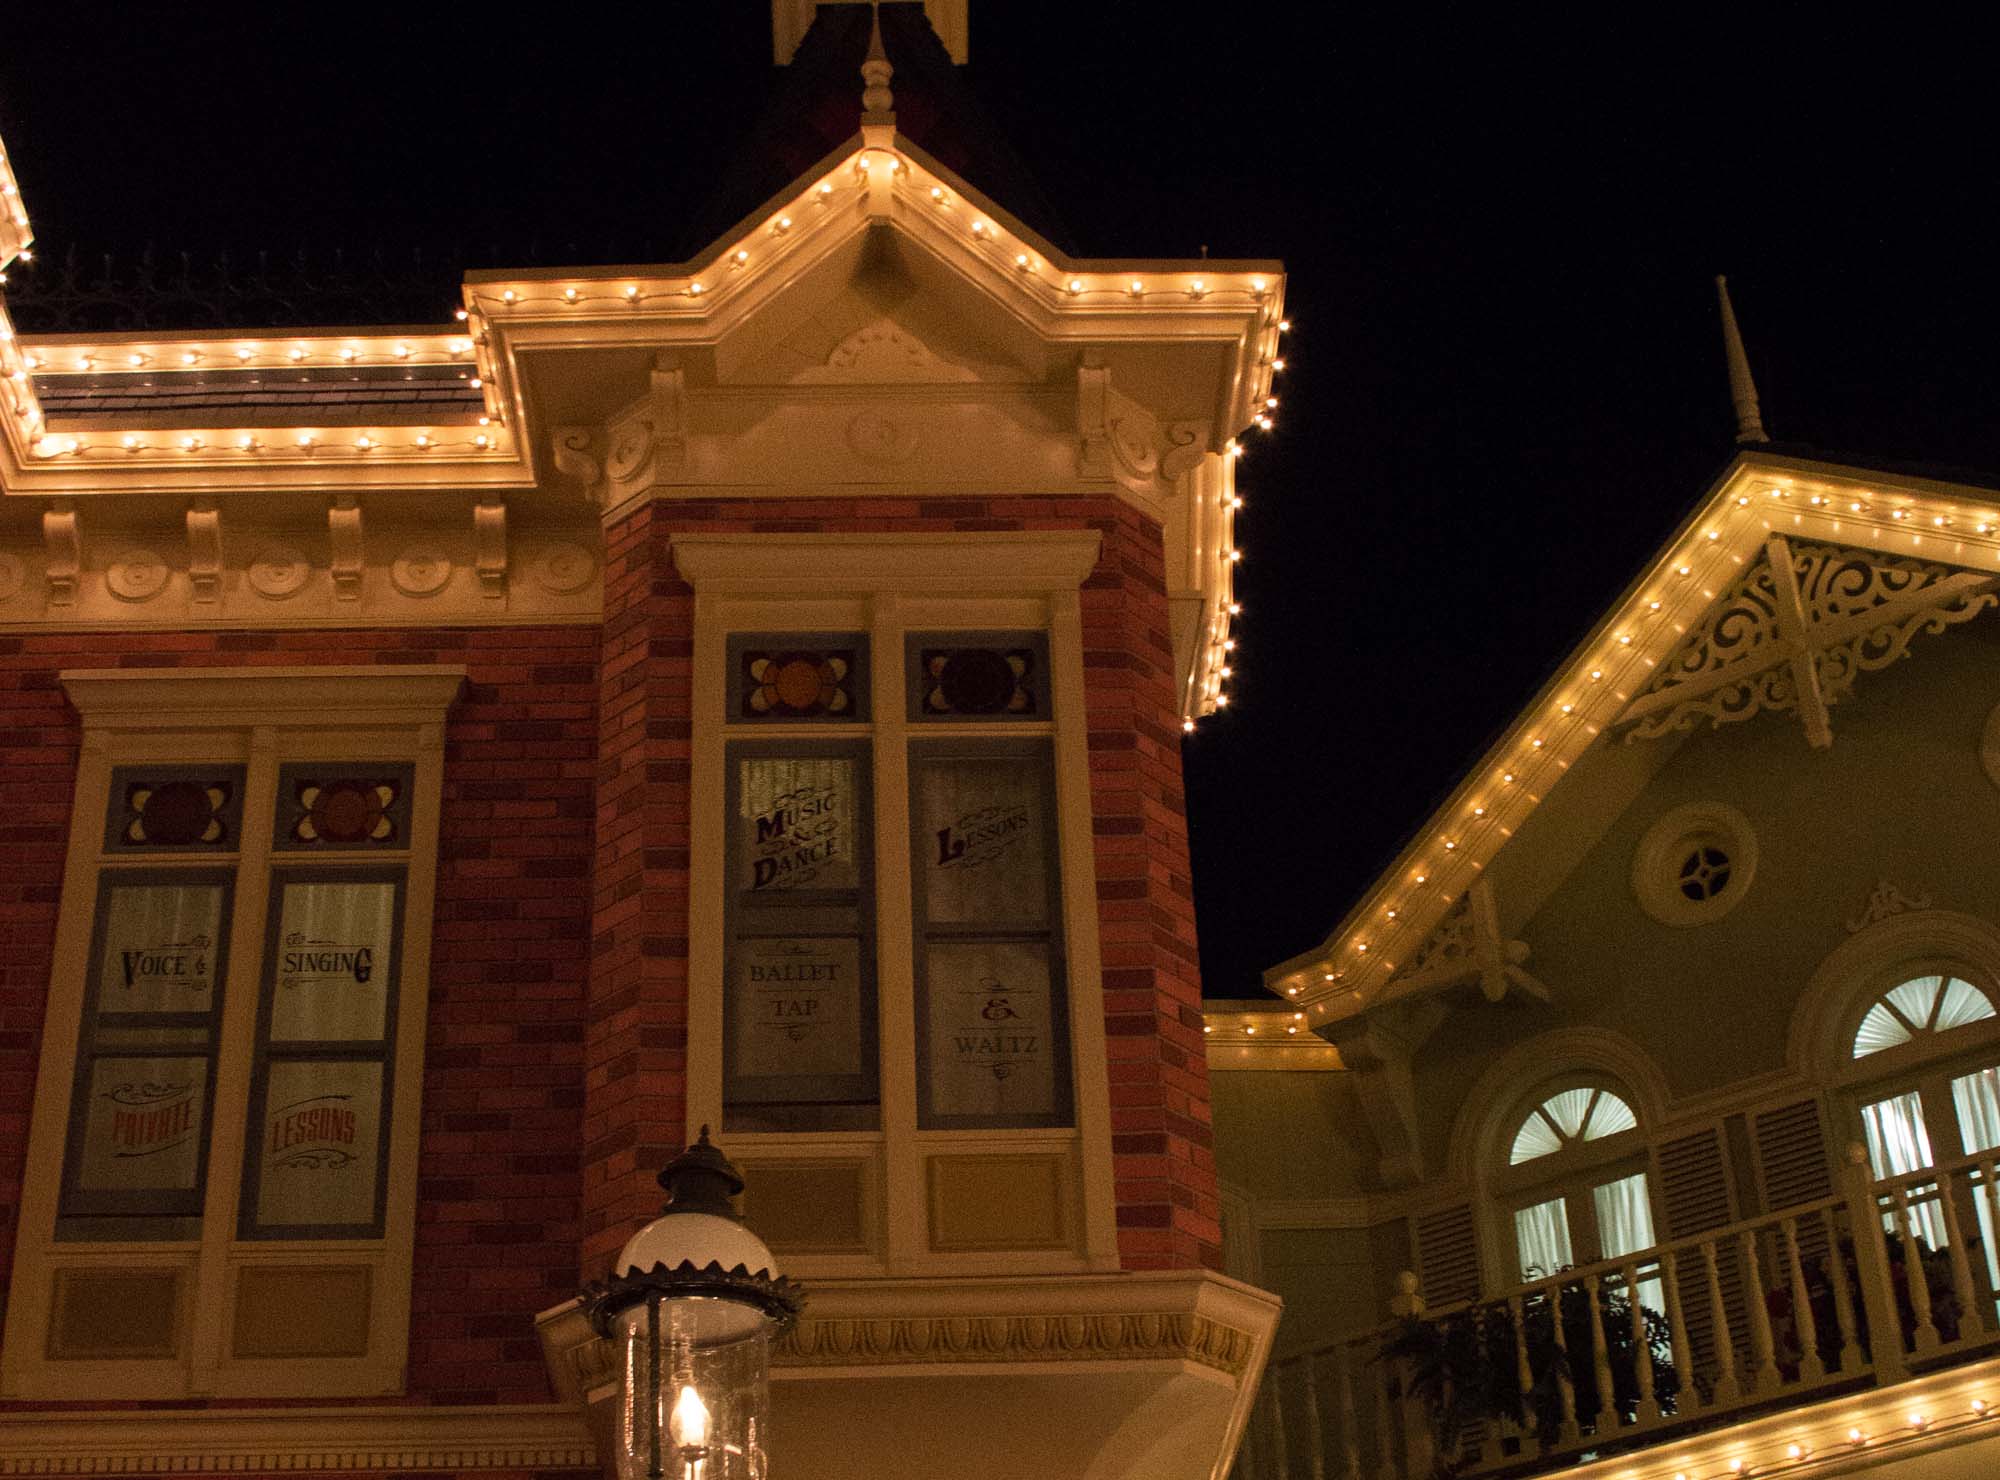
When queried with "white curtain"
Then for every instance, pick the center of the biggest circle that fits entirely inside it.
(1898, 1143)
(1541, 1233)
(1976, 1098)
(1625, 1226)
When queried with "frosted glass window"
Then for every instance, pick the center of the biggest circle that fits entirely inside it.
(1624, 1216)
(1899, 1143)
(1976, 1098)
(1923, 1004)
(1571, 1115)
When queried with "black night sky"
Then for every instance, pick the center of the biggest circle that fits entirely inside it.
(1505, 382)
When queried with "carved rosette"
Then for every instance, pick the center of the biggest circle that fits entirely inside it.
(564, 567)
(276, 572)
(421, 570)
(136, 575)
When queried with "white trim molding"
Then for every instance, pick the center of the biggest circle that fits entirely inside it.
(227, 1441)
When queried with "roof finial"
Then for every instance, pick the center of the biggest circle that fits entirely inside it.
(877, 102)
(1742, 389)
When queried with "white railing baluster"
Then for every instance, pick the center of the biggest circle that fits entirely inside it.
(1686, 1399)
(1969, 1324)
(1524, 1375)
(1843, 1300)
(1915, 1285)
(1315, 1431)
(1350, 1430)
(1648, 1410)
(1565, 1383)
(1804, 1325)
(1725, 1340)
(1606, 1420)
(1281, 1452)
(1385, 1443)
(1763, 1361)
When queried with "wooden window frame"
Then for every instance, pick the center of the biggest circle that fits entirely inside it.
(893, 587)
(259, 718)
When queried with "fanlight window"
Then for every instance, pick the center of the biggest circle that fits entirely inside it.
(1571, 1116)
(1921, 1005)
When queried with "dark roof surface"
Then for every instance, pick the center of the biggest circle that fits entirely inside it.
(392, 393)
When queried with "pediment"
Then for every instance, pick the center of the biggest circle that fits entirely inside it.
(877, 315)
(1790, 583)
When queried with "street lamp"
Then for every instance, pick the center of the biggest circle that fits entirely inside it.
(692, 1305)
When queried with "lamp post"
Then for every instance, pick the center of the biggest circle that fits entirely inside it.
(692, 1304)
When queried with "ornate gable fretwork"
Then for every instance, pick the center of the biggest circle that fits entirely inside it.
(1468, 948)
(1796, 629)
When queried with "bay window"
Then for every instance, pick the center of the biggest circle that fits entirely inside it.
(893, 889)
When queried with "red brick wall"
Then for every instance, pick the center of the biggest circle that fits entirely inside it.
(497, 1217)
(636, 1105)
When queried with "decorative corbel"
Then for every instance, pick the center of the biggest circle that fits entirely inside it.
(204, 534)
(1093, 394)
(1381, 1047)
(574, 452)
(343, 527)
(1468, 948)
(1186, 444)
(647, 441)
(489, 531)
(64, 547)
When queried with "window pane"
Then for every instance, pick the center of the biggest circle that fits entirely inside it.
(1963, 1003)
(174, 809)
(986, 828)
(1541, 1233)
(143, 1127)
(978, 676)
(327, 808)
(335, 959)
(796, 1006)
(778, 678)
(1535, 1138)
(1915, 998)
(993, 1034)
(319, 1145)
(162, 947)
(1897, 1140)
(796, 819)
(1976, 1098)
(1624, 1216)
(1568, 1109)
(1880, 1029)
(1611, 1116)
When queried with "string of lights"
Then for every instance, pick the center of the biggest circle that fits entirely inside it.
(1611, 668)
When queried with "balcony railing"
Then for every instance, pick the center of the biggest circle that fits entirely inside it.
(1888, 1278)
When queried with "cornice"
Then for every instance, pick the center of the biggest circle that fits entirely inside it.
(185, 698)
(1260, 1036)
(223, 1441)
(1757, 496)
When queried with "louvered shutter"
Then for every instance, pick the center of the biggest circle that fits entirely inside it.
(1791, 1156)
(1448, 1255)
(1694, 1195)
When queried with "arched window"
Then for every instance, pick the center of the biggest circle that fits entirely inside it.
(1576, 1180)
(1932, 1046)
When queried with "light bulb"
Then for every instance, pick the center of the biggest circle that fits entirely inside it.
(1137, 287)
(689, 1423)
(296, 353)
(784, 223)
(741, 257)
(569, 296)
(1076, 285)
(507, 296)
(188, 357)
(695, 290)
(348, 352)
(402, 351)
(242, 352)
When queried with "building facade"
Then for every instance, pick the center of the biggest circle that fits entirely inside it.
(1640, 1118)
(448, 767)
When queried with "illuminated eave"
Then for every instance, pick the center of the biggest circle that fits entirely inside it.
(1759, 495)
(1240, 304)
(1245, 1036)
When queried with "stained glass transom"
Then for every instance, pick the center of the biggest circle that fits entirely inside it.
(1567, 1117)
(1923, 1004)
